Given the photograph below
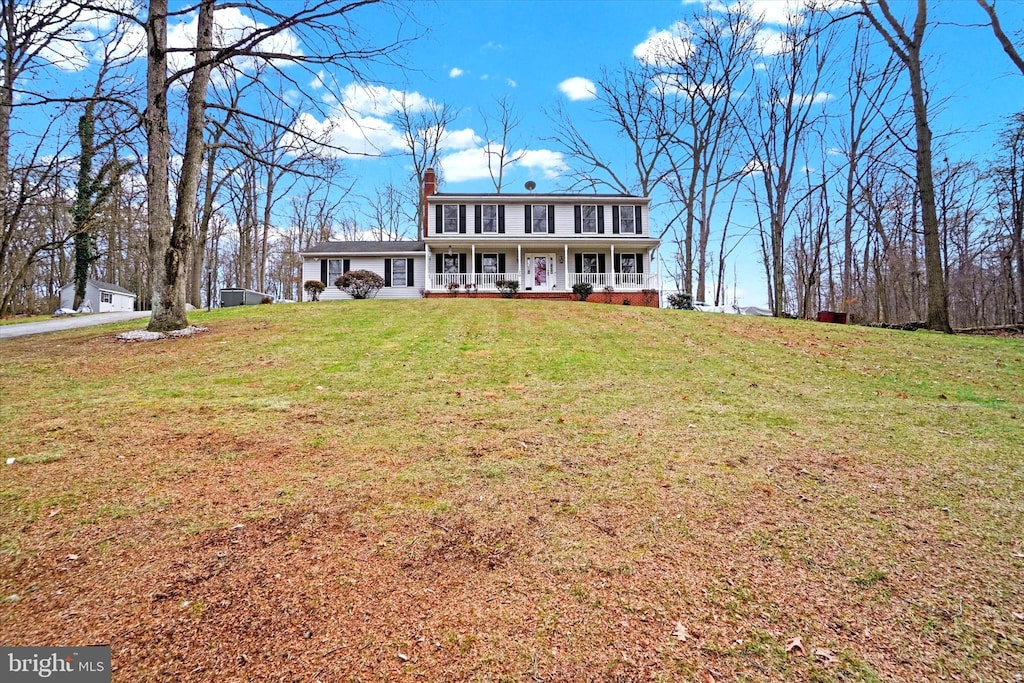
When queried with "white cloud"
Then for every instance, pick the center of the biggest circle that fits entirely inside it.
(471, 164)
(467, 164)
(511, 83)
(230, 26)
(578, 88)
(455, 72)
(667, 46)
(460, 139)
(668, 84)
(551, 164)
(777, 12)
(379, 100)
(770, 42)
(816, 98)
(356, 135)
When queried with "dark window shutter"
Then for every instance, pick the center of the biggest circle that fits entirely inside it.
(478, 228)
(600, 263)
(551, 219)
(600, 220)
(640, 263)
(579, 218)
(323, 272)
(639, 228)
(529, 219)
(439, 223)
(615, 220)
(462, 263)
(478, 263)
(579, 263)
(618, 263)
(346, 266)
(438, 264)
(501, 263)
(410, 279)
(501, 218)
(387, 272)
(462, 218)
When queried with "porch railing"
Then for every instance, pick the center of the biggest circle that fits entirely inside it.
(442, 280)
(595, 279)
(631, 280)
(487, 280)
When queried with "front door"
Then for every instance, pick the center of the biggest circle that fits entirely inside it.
(540, 271)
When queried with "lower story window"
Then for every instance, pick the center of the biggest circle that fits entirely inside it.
(451, 263)
(590, 263)
(627, 263)
(398, 277)
(489, 263)
(335, 269)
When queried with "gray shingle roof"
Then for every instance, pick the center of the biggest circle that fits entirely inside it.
(350, 247)
(111, 287)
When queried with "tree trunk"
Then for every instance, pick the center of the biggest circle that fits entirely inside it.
(169, 313)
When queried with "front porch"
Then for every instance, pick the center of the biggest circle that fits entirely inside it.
(541, 268)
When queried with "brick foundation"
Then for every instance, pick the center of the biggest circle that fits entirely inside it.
(634, 298)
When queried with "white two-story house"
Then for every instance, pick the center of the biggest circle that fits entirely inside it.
(545, 242)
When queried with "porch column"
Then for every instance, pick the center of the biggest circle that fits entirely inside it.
(428, 284)
(612, 264)
(472, 264)
(519, 263)
(565, 270)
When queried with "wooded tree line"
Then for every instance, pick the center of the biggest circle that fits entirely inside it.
(813, 138)
(821, 131)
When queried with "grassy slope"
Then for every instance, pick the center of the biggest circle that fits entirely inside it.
(506, 489)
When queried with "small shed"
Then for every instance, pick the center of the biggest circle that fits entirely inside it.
(231, 296)
(101, 297)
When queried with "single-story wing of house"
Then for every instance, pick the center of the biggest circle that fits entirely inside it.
(100, 297)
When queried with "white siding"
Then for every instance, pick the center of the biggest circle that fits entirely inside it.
(375, 264)
(515, 215)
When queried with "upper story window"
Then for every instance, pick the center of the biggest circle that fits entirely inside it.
(540, 218)
(450, 222)
(588, 218)
(489, 218)
(627, 220)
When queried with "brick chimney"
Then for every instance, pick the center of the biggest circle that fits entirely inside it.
(429, 188)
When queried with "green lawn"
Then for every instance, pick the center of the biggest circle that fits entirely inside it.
(516, 490)
(14, 320)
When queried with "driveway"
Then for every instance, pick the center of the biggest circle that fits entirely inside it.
(68, 322)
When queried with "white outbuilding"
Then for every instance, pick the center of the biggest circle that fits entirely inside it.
(100, 297)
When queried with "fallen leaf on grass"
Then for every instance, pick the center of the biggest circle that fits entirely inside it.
(825, 655)
(708, 678)
(680, 632)
(1018, 616)
(794, 645)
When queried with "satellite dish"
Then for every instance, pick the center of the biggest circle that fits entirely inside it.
(530, 185)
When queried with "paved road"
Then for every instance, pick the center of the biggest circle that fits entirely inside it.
(68, 322)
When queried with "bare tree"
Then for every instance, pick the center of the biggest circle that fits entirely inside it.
(499, 147)
(907, 46)
(628, 104)
(423, 127)
(1004, 40)
(790, 107)
(331, 39)
(702, 83)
